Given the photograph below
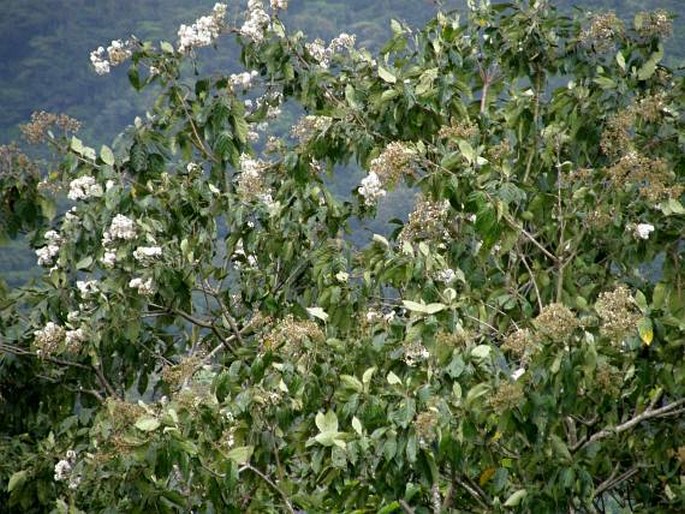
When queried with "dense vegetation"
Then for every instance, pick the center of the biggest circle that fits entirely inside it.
(206, 336)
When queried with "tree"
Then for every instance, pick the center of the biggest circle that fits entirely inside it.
(206, 336)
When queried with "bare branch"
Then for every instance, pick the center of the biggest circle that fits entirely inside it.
(649, 413)
(271, 483)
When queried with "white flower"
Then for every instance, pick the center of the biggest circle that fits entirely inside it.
(121, 228)
(74, 338)
(518, 373)
(109, 259)
(144, 287)
(257, 20)
(319, 52)
(371, 189)
(279, 5)
(342, 276)
(343, 41)
(146, 254)
(87, 288)
(642, 230)
(83, 188)
(99, 62)
(47, 254)
(447, 275)
(203, 32)
(62, 470)
(242, 80)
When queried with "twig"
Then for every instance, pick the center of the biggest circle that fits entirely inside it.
(405, 507)
(614, 481)
(649, 413)
(271, 483)
(473, 492)
(532, 279)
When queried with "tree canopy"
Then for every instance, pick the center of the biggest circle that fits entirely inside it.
(207, 335)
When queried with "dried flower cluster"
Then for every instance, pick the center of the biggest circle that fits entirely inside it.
(425, 426)
(618, 313)
(556, 322)
(657, 23)
(415, 353)
(251, 183)
(463, 129)
(457, 339)
(292, 333)
(652, 177)
(42, 122)
(617, 134)
(506, 397)
(309, 127)
(603, 31)
(520, 343)
(393, 163)
(146, 255)
(428, 221)
(178, 374)
(608, 379)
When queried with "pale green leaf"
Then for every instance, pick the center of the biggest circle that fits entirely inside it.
(646, 330)
(393, 379)
(106, 155)
(318, 312)
(385, 74)
(481, 351)
(17, 479)
(357, 425)
(516, 498)
(326, 422)
(423, 308)
(240, 455)
(147, 424)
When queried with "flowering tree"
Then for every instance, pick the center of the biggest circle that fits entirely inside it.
(206, 336)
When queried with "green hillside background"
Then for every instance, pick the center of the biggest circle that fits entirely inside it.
(44, 48)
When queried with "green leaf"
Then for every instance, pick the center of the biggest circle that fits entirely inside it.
(516, 498)
(327, 422)
(649, 67)
(672, 206)
(106, 155)
(76, 145)
(240, 455)
(357, 425)
(351, 382)
(393, 379)
(431, 308)
(368, 374)
(17, 479)
(166, 47)
(385, 74)
(621, 60)
(480, 352)
(646, 330)
(147, 424)
(84, 263)
(467, 150)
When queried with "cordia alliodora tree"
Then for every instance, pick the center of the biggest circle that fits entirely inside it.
(206, 338)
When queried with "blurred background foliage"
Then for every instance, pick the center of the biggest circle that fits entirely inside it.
(44, 65)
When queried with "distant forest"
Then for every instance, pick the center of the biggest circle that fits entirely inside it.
(44, 47)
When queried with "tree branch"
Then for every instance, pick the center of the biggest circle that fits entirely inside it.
(649, 413)
(272, 484)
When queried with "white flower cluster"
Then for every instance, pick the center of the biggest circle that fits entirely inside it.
(117, 52)
(83, 188)
(371, 189)
(374, 316)
(203, 32)
(256, 22)
(643, 230)
(279, 5)
(447, 276)
(242, 80)
(239, 255)
(46, 254)
(144, 287)
(121, 228)
(64, 470)
(343, 41)
(319, 52)
(88, 288)
(322, 54)
(74, 338)
(415, 353)
(342, 277)
(48, 338)
(147, 254)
